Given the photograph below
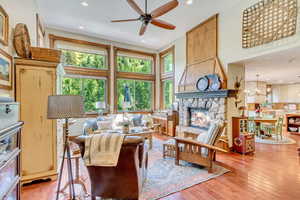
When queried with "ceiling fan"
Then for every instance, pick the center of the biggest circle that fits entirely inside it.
(147, 18)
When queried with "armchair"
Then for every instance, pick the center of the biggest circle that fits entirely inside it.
(197, 152)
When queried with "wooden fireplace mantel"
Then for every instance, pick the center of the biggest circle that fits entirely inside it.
(207, 94)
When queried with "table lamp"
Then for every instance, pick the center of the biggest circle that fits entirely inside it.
(101, 107)
(65, 107)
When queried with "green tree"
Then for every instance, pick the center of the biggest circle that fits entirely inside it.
(136, 65)
(168, 63)
(92, 90)
(82, 59)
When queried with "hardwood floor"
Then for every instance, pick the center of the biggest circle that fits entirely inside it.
(273, 173)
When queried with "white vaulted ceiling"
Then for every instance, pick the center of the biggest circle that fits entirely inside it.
(69, 15)
(275, 68)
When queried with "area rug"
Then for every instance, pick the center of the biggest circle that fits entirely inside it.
(165, 178)
(273, 140)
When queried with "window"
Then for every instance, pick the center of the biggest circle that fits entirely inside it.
(136, 71)
(86, 65)
(167, 87)
(140, 93)
(168, 63)
(167, 78)
(92, 89)
(82, 59)
(136, 65)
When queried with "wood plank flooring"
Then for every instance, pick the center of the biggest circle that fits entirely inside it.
(273, 173)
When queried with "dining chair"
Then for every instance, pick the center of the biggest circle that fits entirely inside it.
(278, 128)
(252, 127)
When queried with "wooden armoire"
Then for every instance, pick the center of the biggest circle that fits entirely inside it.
(35, 81)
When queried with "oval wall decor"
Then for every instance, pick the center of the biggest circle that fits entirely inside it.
(202, 83)
(214, 82)
(22, 41)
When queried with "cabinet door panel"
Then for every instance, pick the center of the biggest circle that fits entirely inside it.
(35, 85)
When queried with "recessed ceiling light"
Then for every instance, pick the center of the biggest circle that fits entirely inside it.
(81, 27)
(84, 3)
(189, 2)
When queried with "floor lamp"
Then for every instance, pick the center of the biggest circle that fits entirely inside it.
(65, 107)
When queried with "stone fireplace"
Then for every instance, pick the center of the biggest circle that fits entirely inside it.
(198, 109)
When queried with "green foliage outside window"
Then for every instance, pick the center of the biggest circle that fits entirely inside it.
(168, 63)
(137, 65)
(140, 94)
(167, 93)
(92, 90)
(81, 59)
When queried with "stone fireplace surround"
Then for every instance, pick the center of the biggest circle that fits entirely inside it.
(215, 102)
(216, 110)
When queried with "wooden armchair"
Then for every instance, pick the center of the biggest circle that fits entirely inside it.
(194, 151)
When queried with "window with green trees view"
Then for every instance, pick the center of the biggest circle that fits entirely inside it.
(140, 94)
(136, 65)
(167, 78)
(168, 63)
(82, 59)
(167, 93)
(92, 90)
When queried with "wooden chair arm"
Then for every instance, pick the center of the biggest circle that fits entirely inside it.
(193, 142)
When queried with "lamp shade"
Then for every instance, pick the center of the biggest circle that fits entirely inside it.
(65, 106)
(100, 105)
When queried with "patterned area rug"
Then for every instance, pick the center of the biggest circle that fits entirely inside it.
(273, 140)
(165, 178)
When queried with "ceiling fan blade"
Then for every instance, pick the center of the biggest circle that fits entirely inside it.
(125, 20)
(162, 24)
(164, 9)
(143, 29)
(135, 7)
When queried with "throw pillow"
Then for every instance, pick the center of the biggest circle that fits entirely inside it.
(209, 138)
(137, 120)
(104, 125)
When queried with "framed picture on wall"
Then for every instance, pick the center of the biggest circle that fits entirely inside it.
(3, 27)
(5, 70)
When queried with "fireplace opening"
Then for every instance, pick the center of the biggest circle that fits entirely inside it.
(199, 118)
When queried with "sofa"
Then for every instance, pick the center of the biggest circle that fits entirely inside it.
(112, 122)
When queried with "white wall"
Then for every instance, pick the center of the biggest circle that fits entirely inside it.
(234, 70)
(19, 11)
(286, 93)
(230, 36)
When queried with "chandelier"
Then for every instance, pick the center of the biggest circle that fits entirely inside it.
(256, 91)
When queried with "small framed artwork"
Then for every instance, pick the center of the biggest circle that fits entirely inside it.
(3, 27)
(5, 70)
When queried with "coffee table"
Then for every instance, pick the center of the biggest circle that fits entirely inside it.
(146, 134)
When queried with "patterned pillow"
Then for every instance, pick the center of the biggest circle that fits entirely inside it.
(104, 125)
